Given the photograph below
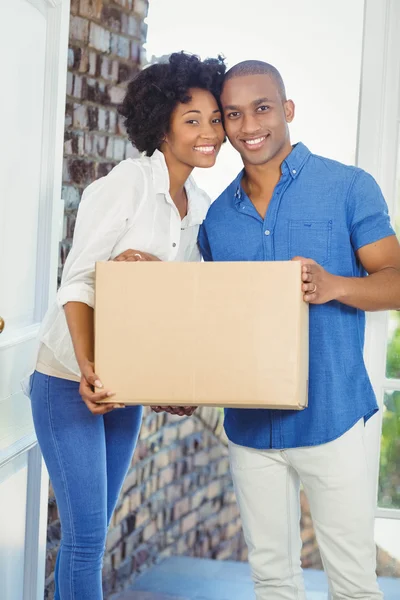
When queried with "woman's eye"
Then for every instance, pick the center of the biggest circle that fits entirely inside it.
(217, 120)
(192, 121)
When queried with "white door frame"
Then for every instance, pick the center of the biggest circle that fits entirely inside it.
(377, 153)
(51, 216)
(57, 14)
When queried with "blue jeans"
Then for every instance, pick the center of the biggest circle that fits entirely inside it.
(87, 457)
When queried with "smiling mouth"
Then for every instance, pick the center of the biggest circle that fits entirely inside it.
(255, 143)
(205, 149)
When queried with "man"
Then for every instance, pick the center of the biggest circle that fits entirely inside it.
(290, 204)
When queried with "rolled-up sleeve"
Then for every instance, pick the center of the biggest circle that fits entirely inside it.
(106, 208)
(368, 214)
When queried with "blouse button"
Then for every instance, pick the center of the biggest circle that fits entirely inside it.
(173, 245)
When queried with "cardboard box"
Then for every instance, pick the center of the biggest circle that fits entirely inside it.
(216, 334)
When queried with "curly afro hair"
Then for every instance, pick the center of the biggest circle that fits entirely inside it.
(153, 94)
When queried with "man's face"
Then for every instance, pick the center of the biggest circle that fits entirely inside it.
(256, 117)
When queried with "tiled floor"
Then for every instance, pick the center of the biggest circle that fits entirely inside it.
(183, 578)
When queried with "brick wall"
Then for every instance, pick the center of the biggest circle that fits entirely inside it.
(105, 50)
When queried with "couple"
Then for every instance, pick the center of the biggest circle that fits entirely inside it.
(287, 203)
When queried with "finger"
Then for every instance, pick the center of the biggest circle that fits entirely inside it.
(95, 397)
(98, 409)
(310, 298)
(307, 268)
(308, 288)
(306, 276)
(86, 388)
(140, 256)
(122, 257)
(91, 378)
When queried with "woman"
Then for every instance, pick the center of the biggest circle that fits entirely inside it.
(150, 203)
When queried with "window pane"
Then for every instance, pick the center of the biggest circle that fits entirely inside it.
(389, 475)
(393, 354)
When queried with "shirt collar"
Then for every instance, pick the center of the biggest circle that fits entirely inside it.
(296, 160)
(160, 175)
(159, 171)
(292, 164)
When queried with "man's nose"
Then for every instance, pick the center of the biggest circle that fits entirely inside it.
(250, 125)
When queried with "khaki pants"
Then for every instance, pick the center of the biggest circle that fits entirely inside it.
(336, 481)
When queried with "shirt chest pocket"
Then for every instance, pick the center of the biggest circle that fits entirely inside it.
(310, 239)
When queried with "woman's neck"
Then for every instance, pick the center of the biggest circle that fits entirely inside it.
(178, 174)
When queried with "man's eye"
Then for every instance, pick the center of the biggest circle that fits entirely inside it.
(263, 108)
(233, 115)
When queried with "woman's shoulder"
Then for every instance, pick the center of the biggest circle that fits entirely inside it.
(129, 171)
(127, 174)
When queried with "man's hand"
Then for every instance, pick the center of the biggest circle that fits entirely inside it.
(181, 411)
(318, 285)
(135, 256)
(89, 380)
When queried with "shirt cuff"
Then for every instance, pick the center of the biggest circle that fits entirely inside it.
(76, 292)
(375, 234)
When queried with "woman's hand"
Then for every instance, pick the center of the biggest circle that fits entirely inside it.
(89, 380)
(181, 411)
(135, 256)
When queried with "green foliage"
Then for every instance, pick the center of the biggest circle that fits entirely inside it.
(389, 480)
(393, 355)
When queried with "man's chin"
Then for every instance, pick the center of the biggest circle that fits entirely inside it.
(255, 159)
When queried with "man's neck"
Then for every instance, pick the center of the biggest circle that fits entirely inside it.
(261, 179)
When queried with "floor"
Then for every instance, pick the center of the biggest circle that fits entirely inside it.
(184, 578)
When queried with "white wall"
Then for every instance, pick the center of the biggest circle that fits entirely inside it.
(316, 44)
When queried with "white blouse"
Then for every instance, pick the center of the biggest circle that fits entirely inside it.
(129, 208)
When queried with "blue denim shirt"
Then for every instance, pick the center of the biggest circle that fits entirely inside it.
(324, 210)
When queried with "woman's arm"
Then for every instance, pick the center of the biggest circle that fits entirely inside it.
(80, 319)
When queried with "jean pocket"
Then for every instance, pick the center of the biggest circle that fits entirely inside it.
(311, 239)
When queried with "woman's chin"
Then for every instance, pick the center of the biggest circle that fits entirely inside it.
(206, 161)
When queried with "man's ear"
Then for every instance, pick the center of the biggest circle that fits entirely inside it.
(290, 110)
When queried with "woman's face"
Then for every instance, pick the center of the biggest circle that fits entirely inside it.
(196, 133)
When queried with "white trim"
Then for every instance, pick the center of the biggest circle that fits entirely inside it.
(391, 384)
(21, 446)
(36, 525)
(52, 153)
(46, 272)
(18, 336)
(377, 150)
(387, 513)
(43, 5)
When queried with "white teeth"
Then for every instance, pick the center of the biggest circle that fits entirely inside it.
(205, 149)
(254, 142)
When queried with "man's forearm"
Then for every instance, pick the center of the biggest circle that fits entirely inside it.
(378, 291)
(80, 319)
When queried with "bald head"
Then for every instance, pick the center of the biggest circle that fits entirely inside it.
(257, 67)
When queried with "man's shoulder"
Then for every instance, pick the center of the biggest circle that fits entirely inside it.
(350, 179)
(335, 167)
